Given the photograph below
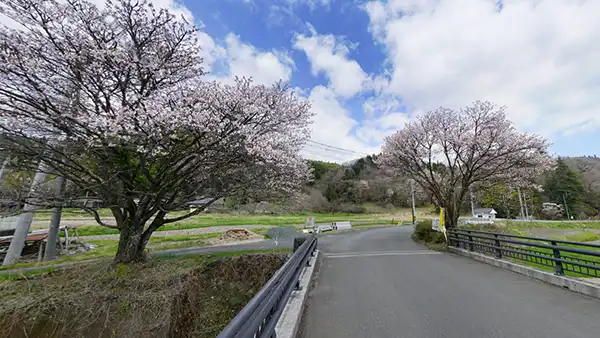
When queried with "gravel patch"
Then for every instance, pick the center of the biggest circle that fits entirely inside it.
(282, 233)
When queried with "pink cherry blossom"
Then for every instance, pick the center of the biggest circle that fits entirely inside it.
(114, 100)
(448, 151)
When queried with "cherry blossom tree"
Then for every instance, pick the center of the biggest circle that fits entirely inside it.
(113, 100)
(448, 151)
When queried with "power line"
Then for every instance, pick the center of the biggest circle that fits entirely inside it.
(329, 152)
(322, 154)
(336, 148)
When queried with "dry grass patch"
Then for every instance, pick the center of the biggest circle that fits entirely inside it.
(185, 296)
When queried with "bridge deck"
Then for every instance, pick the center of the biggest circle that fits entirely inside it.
(379, 283)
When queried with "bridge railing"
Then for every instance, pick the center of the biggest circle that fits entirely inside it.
(576, 257)
(259, 317)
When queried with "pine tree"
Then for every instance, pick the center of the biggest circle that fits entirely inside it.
(565, 185)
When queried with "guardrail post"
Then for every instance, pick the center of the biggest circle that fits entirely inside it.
(471, 247)
(498, 248)
(559, 267)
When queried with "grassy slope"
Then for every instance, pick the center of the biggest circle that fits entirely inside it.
(93, 300)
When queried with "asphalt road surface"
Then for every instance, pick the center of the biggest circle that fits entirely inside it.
(379, 283)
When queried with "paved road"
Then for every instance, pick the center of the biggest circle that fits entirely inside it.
(379, 283)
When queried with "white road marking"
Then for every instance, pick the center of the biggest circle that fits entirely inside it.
(382, 253)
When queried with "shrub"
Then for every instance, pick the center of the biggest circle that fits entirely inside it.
(423, 232)
(438, 238)
(433, 239)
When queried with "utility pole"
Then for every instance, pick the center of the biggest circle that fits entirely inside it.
(18, 241)
(3, 169)
(50, 251)
(472, 203)
(566, 206)
(412, 194)
(521, 202)
(525, 202)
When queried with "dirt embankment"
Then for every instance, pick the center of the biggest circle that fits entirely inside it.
(176, 297)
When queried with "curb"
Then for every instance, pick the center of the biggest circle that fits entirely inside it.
(573, 284)
(289, 322)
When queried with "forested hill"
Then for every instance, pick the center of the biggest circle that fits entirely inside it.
(355, 186)
(588, 167)
(358, 186)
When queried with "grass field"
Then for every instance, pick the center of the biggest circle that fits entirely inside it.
(108, 248)
(214, 219)
(566, 266)
(548, 225)
(570, 231)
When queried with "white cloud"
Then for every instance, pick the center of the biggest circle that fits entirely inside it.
(333, 125)
(312, 4)
(329, 55)
(210, 51)
(264, 67)
(538, 57)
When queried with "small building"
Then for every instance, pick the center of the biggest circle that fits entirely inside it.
(485, 213)
(218, 204)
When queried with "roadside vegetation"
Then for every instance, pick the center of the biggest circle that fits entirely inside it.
(167, 296)
(434, 240)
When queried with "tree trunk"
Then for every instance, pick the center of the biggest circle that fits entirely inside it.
(131, 245)
(452, 214)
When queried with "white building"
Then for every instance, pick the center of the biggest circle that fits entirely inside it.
(485, 213)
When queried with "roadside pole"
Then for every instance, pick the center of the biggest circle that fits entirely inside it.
(472, 203)
(412, 193)
(3, 169)
(521, 202)
(526, 209)
(566, 206)
(59, 189)
(18, 241)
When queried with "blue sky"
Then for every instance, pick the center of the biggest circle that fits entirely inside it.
(370, 66)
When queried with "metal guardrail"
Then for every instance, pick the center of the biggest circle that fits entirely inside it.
(579, 258)
(259, 317)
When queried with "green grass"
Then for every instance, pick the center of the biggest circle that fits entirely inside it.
(107, 248)
(553, 269)
(549, 225)
(220, 254)
(211, 220)
(71, 213)
(586, 236)
(25, 275)
(182, 238)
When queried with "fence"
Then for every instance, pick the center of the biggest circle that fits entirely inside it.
(259, 317)
(578, 258)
